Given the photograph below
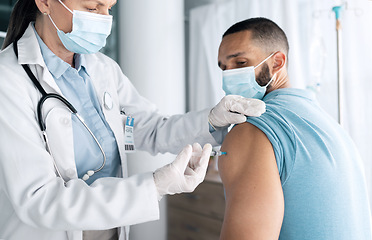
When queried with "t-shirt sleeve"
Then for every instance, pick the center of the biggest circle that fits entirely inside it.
(282, 138)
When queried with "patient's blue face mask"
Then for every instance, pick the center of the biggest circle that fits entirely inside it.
(242, 81)
(89, 31)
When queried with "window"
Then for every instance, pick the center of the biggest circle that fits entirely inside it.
(5, 11)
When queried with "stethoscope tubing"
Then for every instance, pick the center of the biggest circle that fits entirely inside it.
(41, 103)
(45, 96)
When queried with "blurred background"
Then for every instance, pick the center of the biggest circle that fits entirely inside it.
(168, 48)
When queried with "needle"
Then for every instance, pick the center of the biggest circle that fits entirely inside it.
(213, 154)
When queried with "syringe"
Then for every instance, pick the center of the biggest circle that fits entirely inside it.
(213, 154)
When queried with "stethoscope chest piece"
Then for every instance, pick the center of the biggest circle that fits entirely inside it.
(107, 101)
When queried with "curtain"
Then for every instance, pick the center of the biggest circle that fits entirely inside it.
(310, 26)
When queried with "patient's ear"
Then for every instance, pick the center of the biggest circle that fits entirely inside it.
(280, 60)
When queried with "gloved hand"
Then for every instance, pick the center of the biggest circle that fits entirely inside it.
(233, 109)
(185, 173)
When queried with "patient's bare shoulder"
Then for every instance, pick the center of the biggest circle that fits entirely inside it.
(254, 197)
(244, 143)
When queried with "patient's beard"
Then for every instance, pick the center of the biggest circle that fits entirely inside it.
(264, 76)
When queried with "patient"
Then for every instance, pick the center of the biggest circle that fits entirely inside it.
(292, 173)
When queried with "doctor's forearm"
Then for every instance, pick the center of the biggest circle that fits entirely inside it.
(172, 134)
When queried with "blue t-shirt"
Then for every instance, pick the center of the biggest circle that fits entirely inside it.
(321, 172)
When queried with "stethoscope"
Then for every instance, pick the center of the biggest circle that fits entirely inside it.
(45, 96)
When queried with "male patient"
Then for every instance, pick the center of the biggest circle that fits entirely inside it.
(292, 173)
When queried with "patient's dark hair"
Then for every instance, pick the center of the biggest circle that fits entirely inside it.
(265, 33)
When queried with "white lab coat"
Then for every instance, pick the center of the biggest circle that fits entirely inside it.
(34, 203)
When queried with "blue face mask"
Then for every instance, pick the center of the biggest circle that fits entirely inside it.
(242, 81)
(89, 31)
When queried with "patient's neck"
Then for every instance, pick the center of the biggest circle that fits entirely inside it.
(281, 81)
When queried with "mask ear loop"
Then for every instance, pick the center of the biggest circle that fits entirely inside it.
(51, 17)
(65, 6)
(264, 60)
(270, 80)
(261, 64)
(274, 73)
(53, 22)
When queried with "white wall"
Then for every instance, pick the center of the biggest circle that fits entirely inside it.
(151, 43)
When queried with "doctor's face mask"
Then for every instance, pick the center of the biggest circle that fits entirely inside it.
(242, 81)
(89, 31)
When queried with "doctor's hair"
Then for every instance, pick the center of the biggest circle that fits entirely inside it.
(24, 12)
(265, 33)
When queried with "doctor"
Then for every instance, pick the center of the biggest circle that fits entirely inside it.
(68, 116)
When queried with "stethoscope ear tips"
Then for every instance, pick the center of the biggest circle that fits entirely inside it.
(88, 175)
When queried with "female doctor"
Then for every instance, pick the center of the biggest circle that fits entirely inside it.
(68, 116)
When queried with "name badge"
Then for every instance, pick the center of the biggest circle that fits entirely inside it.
(128, 135)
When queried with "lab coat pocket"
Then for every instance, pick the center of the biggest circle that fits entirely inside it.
(59, 132)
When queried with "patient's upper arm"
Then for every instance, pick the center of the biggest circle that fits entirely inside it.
(254, 197)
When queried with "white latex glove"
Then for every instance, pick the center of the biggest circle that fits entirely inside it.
(185, 173)
(233, 109)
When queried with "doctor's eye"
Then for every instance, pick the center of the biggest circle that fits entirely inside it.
(92, 9)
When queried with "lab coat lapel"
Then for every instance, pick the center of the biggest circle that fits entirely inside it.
(28, 54)
(56, 116)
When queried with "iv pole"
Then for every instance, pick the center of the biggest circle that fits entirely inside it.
(338, 10)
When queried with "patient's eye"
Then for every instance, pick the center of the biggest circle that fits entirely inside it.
(241, 63)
